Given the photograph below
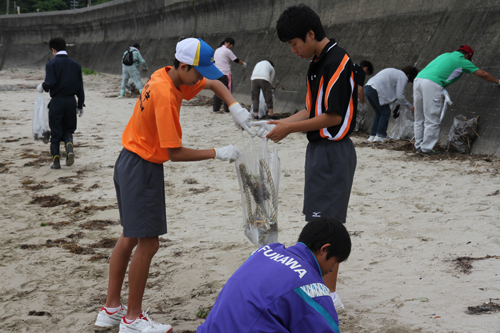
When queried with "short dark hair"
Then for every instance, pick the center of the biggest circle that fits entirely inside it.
(411, 71)
(136, 45)
(57, 44)
(177, 63)
(227, 40)
(327, 230)
(297, 21)
(366, 63)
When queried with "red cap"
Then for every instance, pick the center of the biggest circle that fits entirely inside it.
(467, 49)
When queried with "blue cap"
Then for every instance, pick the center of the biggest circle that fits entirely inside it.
(199, 54)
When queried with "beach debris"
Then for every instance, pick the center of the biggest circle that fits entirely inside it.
(464, 264)
(97, 224)
(190, 181)
(486, 308)
(39, 313)
(51, 201)
(497, 192)
(462, 134)
(199, 190)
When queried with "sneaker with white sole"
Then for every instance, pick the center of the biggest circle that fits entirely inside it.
(379, 139)
(371, 138)
(110, 319)
(337, 302)
(144, 324)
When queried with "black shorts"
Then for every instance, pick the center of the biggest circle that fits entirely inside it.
(329, 172)
(140, 191)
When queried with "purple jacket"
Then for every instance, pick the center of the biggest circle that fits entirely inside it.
(276, 290)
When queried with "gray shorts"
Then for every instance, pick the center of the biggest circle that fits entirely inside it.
(140, 191)
(329, 172)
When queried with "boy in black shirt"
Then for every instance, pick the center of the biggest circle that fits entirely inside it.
(328, 119)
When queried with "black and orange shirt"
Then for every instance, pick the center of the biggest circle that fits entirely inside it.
(154, 125)
(331, 87)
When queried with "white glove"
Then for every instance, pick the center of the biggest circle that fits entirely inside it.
(79, 112)
(241, 117)
(39, 88)
(245, 66)
(264, 127)
(227, 153)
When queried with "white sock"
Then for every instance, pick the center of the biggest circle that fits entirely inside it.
(113, 310)
(333, 295)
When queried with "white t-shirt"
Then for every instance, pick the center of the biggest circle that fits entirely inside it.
(222, 58)
(263, 70)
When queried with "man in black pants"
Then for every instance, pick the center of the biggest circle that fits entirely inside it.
(63, 78)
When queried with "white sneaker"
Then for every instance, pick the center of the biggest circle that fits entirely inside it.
(339, 307)
(109, 319)
(371, 138)
(144, 324)
(379, 139)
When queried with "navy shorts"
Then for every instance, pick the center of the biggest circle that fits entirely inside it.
(140, 191)
(329, 172)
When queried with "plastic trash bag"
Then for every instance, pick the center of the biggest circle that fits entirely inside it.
(403, 125)
(41, 129)
(262, 105)
(360, 117)
(258, 171)
(462, 134)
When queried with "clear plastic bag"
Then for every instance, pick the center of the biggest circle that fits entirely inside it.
(462, 134)
(262, 105)
(258, 171)
(360, 117)
(403, 125)
(41, 130)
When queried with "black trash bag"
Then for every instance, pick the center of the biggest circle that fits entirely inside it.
(462, 134)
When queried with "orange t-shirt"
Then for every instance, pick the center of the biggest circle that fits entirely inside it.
(154, 125)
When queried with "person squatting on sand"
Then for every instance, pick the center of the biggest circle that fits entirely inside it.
(329, 118)
(63, 79)
(279, 289)
(152, 137)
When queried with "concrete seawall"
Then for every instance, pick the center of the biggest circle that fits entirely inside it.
(389, 33)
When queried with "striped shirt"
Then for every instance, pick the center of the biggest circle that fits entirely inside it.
(331, 87)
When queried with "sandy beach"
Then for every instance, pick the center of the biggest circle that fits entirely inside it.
(414, 221)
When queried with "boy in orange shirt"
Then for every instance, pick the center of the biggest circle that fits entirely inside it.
(152, 137)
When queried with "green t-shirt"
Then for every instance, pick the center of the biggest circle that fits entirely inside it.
(447, 68)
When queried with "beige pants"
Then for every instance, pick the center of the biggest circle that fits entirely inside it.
(428, 102)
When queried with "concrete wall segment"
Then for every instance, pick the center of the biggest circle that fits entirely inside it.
(389, 33)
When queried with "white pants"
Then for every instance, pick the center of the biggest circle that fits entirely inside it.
(428, 102)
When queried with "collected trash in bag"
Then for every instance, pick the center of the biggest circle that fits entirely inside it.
(403, 123)
(462, 134)
(360, 118)
(131, 89)
(41, 129)
(258, 172)
(262, 105)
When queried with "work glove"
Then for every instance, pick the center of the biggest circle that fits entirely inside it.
(264, 127)
(245, 66)
(241, 117)
(79, 112)
(144, 69)
(39, 88)
(227, 153)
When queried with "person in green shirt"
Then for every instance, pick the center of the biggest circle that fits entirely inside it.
(428, 96)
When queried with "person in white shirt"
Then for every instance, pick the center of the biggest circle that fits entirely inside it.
(223, 57)
(262, 79)
(386, 87)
